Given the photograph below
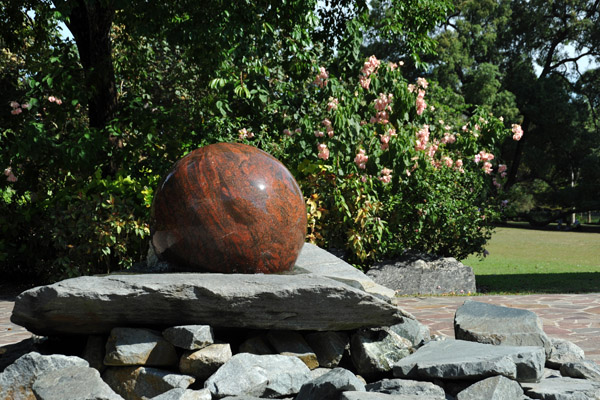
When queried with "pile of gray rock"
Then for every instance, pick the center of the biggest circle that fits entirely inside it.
(326, 331)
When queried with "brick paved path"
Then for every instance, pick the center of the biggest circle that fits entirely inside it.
(575, 317)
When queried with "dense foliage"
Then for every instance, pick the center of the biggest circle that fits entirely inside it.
(386, 161)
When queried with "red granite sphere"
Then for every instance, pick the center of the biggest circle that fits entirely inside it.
(229, 208)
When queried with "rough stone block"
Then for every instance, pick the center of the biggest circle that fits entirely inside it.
(415, 273)
(135, 346)
(261, 376)
(73, 383)
(140, 383)
(293, 344)
(329, 347)
(492, 324)
(17, 379)
(583, 369)
(374, 351)
(563, 351)
(190, 337)
(330, 385)
(494, 388)
(206, 361)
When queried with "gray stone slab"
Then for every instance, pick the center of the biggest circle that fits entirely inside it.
(312, 259)
(93, 305)
(407, 387)
(73, 383)
(559, 388)
(494, 388)
(459, 359)
(492, 324)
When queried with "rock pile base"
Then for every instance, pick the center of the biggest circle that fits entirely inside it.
(398, 360)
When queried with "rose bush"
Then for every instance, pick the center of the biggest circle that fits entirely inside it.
(385, 163)
(385, 167)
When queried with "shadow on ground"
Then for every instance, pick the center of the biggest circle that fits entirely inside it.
(579, 282)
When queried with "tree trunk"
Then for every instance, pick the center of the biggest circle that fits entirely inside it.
(90, 23)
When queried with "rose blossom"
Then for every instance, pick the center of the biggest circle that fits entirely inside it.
(323, 151)
(361, 159)
(517, 132)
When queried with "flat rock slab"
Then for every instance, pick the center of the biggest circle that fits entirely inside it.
(95, 305)
(563, 389)
(315, 260)
(459, 359)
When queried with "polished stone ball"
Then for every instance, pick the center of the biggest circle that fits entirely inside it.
(229, 208)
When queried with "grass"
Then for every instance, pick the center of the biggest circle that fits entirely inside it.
(524, 261)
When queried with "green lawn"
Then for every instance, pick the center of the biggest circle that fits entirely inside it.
(539, 261)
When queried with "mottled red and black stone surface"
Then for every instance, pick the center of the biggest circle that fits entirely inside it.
(230, 208)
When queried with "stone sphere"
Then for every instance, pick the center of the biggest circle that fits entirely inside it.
(229, 208)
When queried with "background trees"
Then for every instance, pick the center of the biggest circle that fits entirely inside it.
(532, 59)
(90, 123)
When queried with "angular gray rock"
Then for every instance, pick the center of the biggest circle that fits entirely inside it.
(17, 379)
(563, 351)
(374, 351)
(184, 394)
(459, 359)
(258, 345)
(136, 346)
(289, 343)
(314, 260)
(190, 337)
(492, 324)
(494, 388)
(73, 383)
(407, 387)
(261, 376)
(412, 330)
(330, 385)
(94, 304)
(378, 396)
(329, 347)
(137, 383)
(416, 273)
(584, 369)
(94, 352)
(557, 388)
(206, 361)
